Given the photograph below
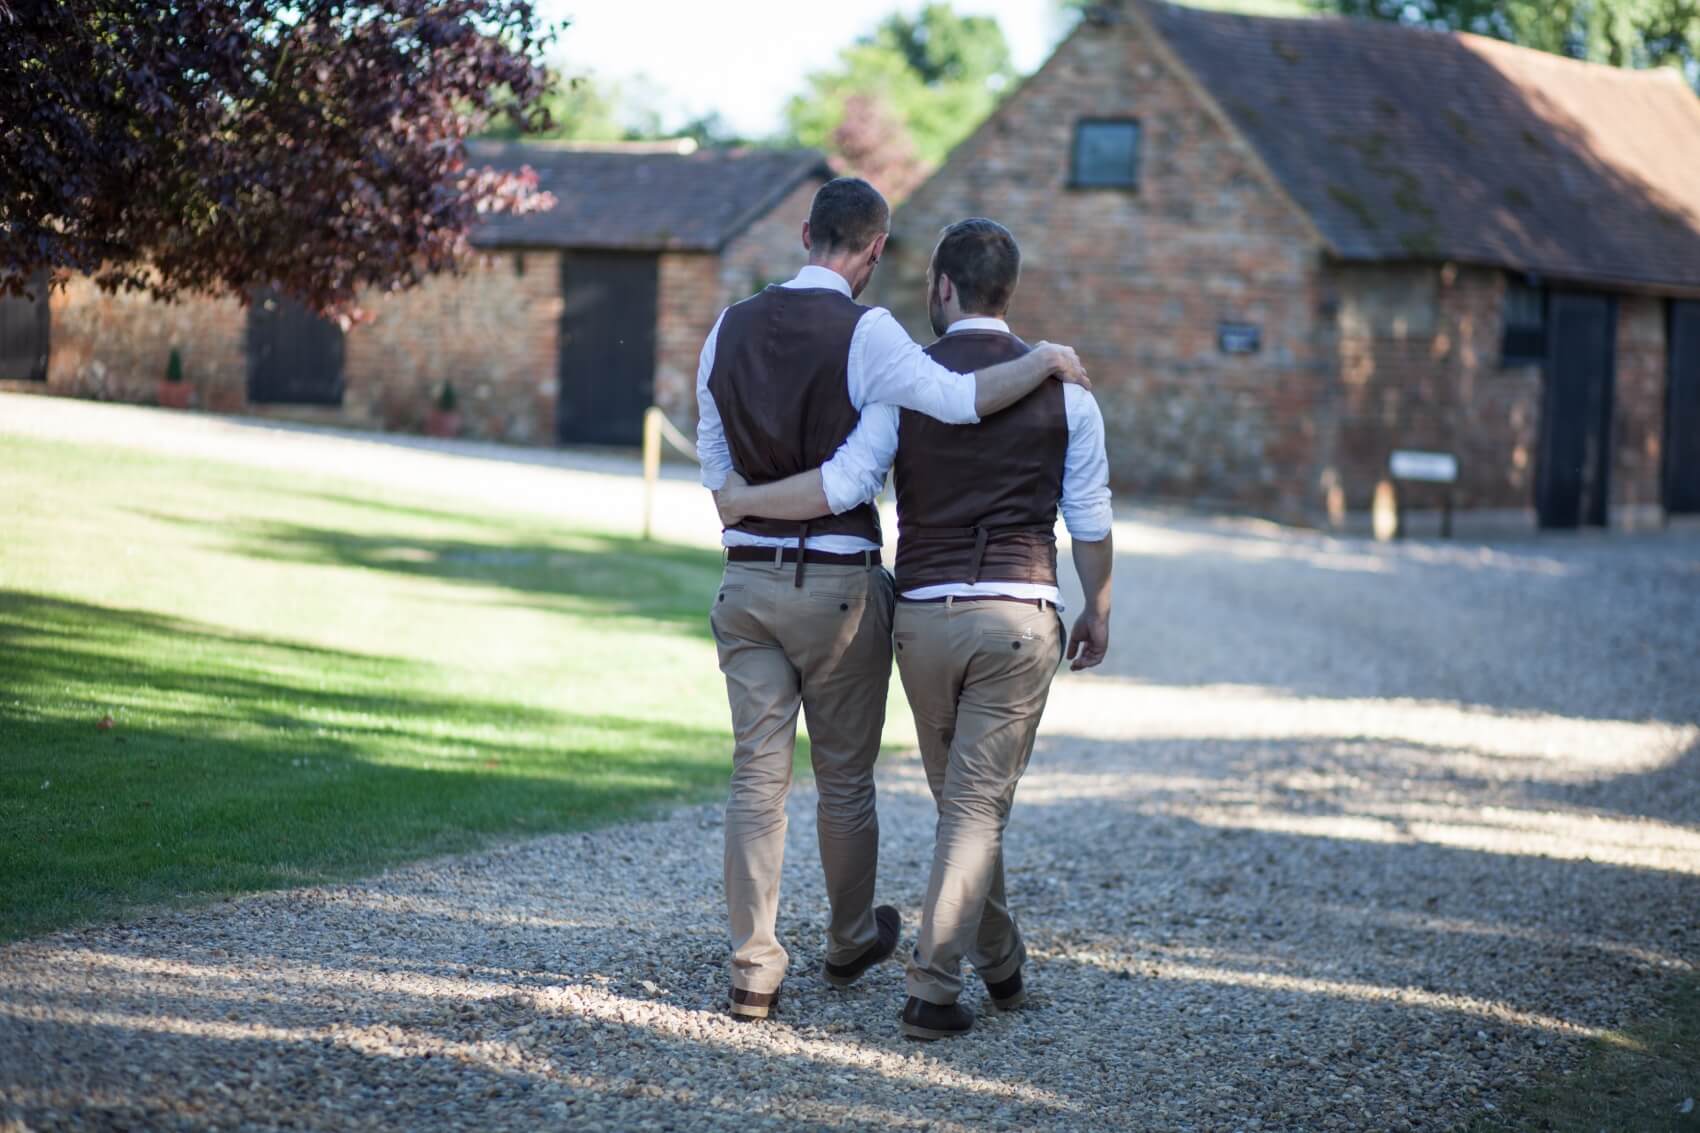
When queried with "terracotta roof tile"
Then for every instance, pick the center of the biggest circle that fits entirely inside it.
(1402, 143)
(640, 199)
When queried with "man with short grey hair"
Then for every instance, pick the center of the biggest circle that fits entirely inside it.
(803, 618)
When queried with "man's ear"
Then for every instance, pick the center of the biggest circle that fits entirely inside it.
(807, 244)
(946, 289)
(879, 244)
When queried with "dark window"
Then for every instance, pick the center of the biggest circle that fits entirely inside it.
(1106, 154)
(24, 333)
(1525, 324)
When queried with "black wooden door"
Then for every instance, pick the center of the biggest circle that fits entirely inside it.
(25, 326)
(1682, 410)
(294, 356)
(607, 364)
(1572, 480)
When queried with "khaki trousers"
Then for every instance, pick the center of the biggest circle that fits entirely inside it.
(824, 648)
(977, 675)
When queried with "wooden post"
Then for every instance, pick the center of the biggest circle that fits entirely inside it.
(651, 466)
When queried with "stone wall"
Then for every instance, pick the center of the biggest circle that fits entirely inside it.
(1140, 280)
(115, 347)
(1418, 351)
(492, 331)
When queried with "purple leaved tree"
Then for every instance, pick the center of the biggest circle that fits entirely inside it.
(221, 145)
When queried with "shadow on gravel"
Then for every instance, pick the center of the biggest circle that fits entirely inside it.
(1367, 878)
(1602, 629)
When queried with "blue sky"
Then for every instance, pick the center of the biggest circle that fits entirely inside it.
(743, 58)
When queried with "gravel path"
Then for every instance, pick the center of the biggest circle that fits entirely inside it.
(1344, 837)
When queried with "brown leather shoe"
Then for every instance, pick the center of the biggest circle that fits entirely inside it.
(924, 1022)
(890, 924)
(748, 1006)
(1007, 994)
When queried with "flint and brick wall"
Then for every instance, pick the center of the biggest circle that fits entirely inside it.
(1139, 280)
(493, 332)
(115, 347)
(1419, 351)
(695, 287)
(1418, 357)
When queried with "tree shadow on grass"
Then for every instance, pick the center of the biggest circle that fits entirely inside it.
(235, 762)
(586, 574)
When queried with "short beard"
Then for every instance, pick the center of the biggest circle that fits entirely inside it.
(935, 312)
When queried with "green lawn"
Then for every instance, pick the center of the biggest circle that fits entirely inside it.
(309, 678)
(1645, 1079)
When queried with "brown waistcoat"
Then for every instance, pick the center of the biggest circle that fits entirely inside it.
(978, 503)
(782, 385)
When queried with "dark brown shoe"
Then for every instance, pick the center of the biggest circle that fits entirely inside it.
(1007, 994)
(748, 1006)
(925, 1022)
(890, 923)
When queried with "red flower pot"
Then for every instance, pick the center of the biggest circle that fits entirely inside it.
(439, 423)
(175, 395)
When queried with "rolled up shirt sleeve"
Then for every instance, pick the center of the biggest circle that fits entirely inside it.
(856, 473)
(712, 452)
(887, 366)
(1086, 469)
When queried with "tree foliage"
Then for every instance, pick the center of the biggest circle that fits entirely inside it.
(901, 98)
(588, 108)
(1623, 33)
(217, 145)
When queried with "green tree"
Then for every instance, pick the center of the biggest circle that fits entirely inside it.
(927, 81)
(1623, 33)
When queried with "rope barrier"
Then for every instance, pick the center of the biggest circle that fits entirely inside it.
(656, 429)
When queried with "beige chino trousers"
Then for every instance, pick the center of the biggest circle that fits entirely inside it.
(977, 675)
(824, 648)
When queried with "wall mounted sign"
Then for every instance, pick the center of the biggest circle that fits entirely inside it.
(1239, 338)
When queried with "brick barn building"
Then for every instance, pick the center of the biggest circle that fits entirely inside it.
(1288, 247)
(571, 323)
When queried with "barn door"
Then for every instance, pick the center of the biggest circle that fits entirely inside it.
(1682, 410)
(294, 356)
(607, 363)
(25, 325)
(1573, 479)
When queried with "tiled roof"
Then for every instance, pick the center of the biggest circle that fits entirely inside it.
(643, 198)
(1402, 143)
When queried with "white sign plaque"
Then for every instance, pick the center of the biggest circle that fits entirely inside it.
(1431, 467)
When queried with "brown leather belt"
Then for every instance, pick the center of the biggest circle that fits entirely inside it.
(778, 555)
(949, 599)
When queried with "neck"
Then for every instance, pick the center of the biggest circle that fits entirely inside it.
(975, 315)
(835, 261)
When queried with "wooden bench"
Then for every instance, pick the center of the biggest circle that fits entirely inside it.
(1409, 467)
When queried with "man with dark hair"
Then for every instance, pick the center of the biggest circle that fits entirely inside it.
(977, 629)
(803, 618)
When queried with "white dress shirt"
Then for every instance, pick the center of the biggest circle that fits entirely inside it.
(885, 365)
(857, 472)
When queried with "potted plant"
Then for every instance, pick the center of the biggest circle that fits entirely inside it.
(174, 392)
(443, 420)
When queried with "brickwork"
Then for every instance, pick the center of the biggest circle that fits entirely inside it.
(696, 287)
(116, 347)
(1418, 352)
(493, 332)
(1140, 280)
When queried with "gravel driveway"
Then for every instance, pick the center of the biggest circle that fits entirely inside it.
(1343, 837)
